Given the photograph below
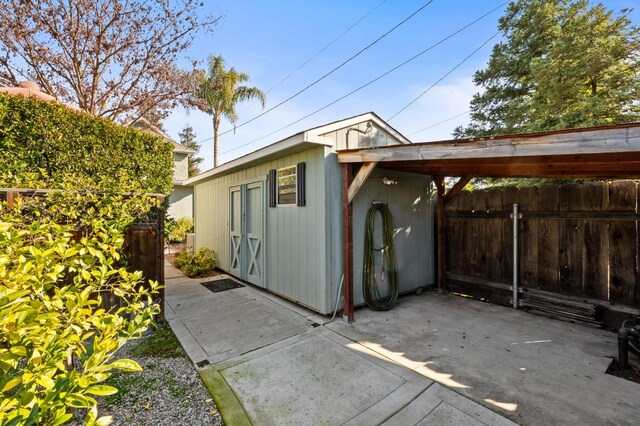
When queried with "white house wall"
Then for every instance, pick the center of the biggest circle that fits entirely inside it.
(181, 202)
(295, 236)
(181, 197)
(180, 166)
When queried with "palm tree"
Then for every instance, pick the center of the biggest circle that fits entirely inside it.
(219, 92)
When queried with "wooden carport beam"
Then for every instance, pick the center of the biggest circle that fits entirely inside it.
(455, 189)
(350, 188)
(442, 199)
(360, 179)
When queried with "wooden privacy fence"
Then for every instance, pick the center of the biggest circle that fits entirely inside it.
(143, 248)
(578, 246)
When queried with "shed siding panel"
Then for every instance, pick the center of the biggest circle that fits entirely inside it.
(411, 205)
(410, 202)
(333, 197)
(295, 236)
(360, 138)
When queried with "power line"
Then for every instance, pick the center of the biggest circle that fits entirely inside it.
(445, 76)
(371, 81)
(320, 51)
(439, 123)
(328, 73)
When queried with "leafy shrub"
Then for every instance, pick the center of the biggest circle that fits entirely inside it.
(201, 262)
(176, 230)
(46, 145)
(57, 256)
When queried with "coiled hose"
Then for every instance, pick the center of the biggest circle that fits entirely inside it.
(370, 284)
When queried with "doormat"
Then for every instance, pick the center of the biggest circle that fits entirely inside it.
(222, 285)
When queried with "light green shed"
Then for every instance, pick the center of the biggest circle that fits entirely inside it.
(274, 219)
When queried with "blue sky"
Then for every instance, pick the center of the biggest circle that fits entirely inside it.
(270, 39)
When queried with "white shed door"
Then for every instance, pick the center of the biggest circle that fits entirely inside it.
(246, 226)
(235, 230)
(255, 232)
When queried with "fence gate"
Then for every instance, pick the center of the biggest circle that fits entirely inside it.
(578, 247)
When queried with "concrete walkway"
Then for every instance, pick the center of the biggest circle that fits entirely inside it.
(269, 362)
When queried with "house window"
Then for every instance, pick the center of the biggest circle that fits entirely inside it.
(287, 185)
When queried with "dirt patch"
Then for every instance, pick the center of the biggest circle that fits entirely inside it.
(632, 374)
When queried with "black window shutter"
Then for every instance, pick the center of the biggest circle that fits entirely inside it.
(272, 185)
(300, 184)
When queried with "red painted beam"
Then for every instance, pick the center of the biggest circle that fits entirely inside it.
(347, 243)
(441, 261)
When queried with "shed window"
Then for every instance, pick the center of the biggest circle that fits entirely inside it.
(287, 185)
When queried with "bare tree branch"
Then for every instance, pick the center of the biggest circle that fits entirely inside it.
(112, 58)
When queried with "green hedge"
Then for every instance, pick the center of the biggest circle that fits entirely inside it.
(47, 145)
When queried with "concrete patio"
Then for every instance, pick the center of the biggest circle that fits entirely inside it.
(433, 359)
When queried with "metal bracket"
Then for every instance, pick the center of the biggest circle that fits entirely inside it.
(519, 216)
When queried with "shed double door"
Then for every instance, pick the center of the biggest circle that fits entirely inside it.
(246, 231)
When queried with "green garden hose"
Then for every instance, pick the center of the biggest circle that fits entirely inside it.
(370, 283)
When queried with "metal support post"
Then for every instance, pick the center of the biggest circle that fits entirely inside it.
(516, 216)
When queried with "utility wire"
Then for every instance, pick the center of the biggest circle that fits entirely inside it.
(318, 52)
(371, 81)
(444, 76)
(318, 80)
(439, 123)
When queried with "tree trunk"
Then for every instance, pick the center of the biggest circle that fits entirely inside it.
(216, 128)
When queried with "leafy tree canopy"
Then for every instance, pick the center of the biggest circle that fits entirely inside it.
(562, 64)
(111, 58)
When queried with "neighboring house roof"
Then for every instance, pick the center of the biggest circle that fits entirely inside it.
(296, 143)
(146, 126)
(29, 89)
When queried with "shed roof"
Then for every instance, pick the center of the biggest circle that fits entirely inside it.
(295, 143)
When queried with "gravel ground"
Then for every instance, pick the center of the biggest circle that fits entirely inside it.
(167, 392)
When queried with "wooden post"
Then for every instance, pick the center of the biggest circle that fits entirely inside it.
(160, 256)
(347, 243)
(11, 198)
(441, 260)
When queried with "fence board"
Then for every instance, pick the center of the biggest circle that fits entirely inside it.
(548, 233)
(509, 197)
(578, 240)
(528, 242)
(596, 244)
(622, 242)
(492, 257)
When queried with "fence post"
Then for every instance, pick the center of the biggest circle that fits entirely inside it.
(160, 256)
(11, 198)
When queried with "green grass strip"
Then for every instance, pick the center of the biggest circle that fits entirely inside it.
(228, 405)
